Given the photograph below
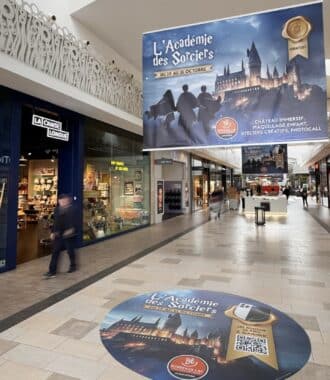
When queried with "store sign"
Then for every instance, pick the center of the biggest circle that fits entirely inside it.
(54, 127)
(199, 92)
(199, 334)
(5, 160)
(265, 159)
(164, 161)
(119, 166)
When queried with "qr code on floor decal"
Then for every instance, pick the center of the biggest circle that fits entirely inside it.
(252, 344)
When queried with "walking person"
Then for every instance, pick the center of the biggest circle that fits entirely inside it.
(304, 195)
(63, 234)
(286, 192)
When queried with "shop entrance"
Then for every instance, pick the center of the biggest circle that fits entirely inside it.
(173, 175)
(200, 189)
(38, 181)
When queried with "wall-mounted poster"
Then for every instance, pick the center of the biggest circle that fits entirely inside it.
(265, 159)
(129, 188)
(138, 175)
(199, 91)
(160, 197)
(138, 189)
(198, 334)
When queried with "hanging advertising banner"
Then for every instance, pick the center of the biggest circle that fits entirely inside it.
(265, 159)
(199, 334)
(253, 79)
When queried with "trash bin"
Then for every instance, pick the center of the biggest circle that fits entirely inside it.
(260, 217)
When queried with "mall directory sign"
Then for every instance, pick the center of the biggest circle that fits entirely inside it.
(253, 79)
(199, 334)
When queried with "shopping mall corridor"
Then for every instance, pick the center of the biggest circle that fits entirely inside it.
(285, 263)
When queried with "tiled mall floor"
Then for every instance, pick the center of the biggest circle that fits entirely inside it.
(285, 263)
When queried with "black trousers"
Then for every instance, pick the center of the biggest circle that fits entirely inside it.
(58, 245)
(305, 202)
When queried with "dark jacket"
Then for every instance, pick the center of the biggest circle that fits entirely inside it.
(64, 219)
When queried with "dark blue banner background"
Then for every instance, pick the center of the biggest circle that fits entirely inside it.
(260, 97)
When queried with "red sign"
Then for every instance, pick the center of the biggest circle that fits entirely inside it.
(187, 367)
(226, 128)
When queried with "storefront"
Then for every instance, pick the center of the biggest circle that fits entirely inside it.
(207, 176)
(171, 180)
(322, 174)
(46, 150)
(216, 172)
(116, 182)
(200, 174)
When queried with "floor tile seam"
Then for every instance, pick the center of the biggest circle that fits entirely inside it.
(29, 311)
(319, 221)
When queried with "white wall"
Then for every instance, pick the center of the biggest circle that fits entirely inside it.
(24, 78)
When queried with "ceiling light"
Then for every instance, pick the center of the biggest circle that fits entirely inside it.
(327, 67)
(22, 159)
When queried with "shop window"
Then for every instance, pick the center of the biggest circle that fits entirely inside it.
(5, 158)
(116, 182)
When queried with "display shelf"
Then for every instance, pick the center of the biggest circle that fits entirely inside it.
(173, 200)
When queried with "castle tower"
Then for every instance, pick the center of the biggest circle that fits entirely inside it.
(294, 76)
(254, 63)
(172, 323)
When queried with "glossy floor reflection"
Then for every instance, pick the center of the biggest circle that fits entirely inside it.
(285, 263)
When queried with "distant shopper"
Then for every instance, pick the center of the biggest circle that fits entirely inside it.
(216, 202)
(304, 195)
(286, 192)
(63, 234)
(259, 189)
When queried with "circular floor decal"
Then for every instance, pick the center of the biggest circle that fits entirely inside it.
(196, 334)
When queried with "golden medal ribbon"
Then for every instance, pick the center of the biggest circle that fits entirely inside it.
(296, 30)
(254, 333)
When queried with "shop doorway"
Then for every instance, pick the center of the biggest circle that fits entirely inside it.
(38, 183)
(200, 190)
(173, 199)
(173, 175)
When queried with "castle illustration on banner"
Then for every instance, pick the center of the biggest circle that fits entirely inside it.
(242, 84)
(137, 335)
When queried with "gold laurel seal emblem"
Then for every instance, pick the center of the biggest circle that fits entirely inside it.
(296, 30)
